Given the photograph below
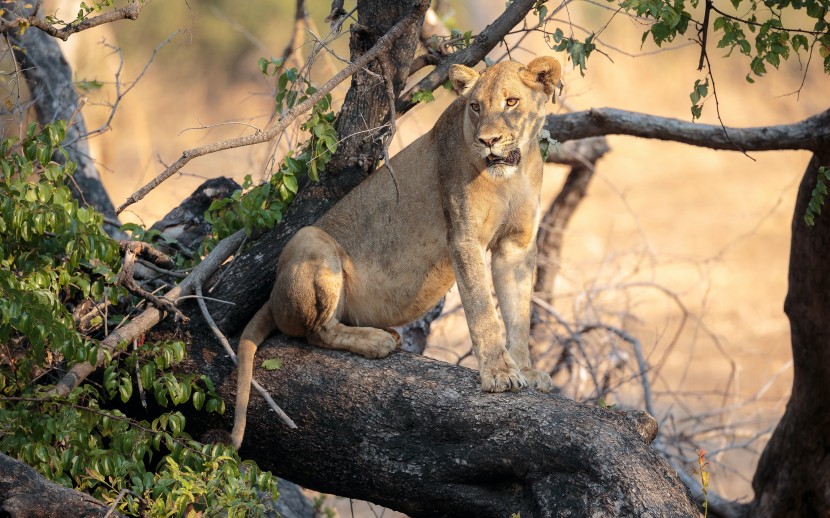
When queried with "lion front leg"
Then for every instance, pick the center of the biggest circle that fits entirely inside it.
(513, 266)
(498, 371)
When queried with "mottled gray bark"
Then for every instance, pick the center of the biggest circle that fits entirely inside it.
(597, 122)
(419, 436)
(24, 493)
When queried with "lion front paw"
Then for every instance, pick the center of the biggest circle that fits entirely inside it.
(380, 344)
(538, 379)
(502, 377)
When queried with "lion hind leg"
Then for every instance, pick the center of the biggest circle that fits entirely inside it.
(365, 341)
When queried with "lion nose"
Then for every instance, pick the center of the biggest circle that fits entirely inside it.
(489, 141)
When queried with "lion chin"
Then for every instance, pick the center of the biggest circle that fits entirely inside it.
(503, 166)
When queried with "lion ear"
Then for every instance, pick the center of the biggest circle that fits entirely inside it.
(542, 73)
(463, 78)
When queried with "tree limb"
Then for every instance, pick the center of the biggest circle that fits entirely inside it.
(807, 134)
(127, 12)
(24, 493)
(481, 45)
(419, 435)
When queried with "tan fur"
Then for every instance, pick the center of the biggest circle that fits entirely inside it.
(390, 249)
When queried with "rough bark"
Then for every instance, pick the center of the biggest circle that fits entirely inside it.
(186, 223)
(806, 134)
(366, 107)
(419, 436)
(483, 43)
(24, 493)
(793, 474)
(49, 79)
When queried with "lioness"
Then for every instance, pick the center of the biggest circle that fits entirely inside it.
(390, 249)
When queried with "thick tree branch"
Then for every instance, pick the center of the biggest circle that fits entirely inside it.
(807, 134)
(481, 45)
(793, 474)
(419, 436)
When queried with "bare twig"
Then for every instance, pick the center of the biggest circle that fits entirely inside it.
(227, 346)
(481, 45)
(152, 316)
(126, 279)
(383, 45)
(386, 69)
(127, 12)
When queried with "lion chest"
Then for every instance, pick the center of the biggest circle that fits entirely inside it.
(488, 211)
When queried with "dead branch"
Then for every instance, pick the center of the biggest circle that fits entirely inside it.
(806, 134)
(23, 21)
(150, 317)
(383, 44)
(132, 250)
(227, 347)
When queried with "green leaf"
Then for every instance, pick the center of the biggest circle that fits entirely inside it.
(423, 96)
(290, 182)
(272, 364)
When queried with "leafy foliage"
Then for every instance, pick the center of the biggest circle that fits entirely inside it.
(699, 92)
(546, 144)
(53, 255)
(755, 28)
(262, 206)
(52, 252)
(578, 51)
(422, 96)
(817, 196)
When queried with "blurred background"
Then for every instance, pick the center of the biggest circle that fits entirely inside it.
(683, 248)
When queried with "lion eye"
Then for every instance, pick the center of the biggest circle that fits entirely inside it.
(475, 107)
(512, 101)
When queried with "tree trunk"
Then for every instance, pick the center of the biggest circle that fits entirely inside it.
(793, 475)
(366, 107)
(419, 436)
(49, 79)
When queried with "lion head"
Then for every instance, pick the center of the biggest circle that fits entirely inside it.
(505, 109)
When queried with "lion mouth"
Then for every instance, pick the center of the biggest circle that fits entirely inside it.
(511, 158)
